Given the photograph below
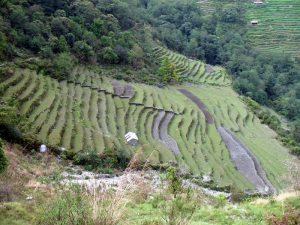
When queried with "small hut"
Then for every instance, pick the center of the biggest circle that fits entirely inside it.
(131, 138)
(43, 148)
(258, 2)
(254, 22)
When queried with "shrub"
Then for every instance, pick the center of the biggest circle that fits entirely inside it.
(68, 207)
(221, 200)
(104, 162)
(3, 159)
(292, 216)
(178, 204)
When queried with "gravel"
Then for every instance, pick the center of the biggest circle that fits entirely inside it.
(245, 161)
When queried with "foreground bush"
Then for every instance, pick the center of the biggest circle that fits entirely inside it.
(68, 207)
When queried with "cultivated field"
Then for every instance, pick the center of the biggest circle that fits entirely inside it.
(278, 28)
(92, 111)
(194, 71)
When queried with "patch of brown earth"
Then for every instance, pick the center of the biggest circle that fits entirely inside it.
(200, 104)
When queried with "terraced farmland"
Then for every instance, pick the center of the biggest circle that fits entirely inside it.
(230, 112)
(278, 26)
(194, 71)
(207, 6)
(92, 111)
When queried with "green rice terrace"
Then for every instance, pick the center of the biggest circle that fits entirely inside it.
(194, 71)
(278, 27)
(206, 128)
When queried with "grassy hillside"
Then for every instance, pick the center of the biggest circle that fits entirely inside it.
(91, 111)
(278, 28)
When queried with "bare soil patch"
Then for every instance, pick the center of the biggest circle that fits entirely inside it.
(160, 130)
(200, 104)
(245, 162)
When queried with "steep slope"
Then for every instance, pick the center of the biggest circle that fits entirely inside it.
(174, 123)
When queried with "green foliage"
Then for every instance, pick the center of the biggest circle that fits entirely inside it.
(105, 162)
(178, 204)
(175, 182)
(83, 51)
(61, 67)
(3, 159)
(167, 71)
(67, 207)
(221, 200)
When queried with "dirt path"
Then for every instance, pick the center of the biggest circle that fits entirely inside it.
(200, 104)
(245, 161)
(160, 130)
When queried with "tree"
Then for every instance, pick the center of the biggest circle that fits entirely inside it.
(83, 51)
(63, 64)
(108, 55)
(167, 71)
(62, 44)
(98, 27)
(11, 122)
(3, 159)
(137, 53)
(296, 131)
(2, 43)
(70, 39)
(144, 3)
(121, 53)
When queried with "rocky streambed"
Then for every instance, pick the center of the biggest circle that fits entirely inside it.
(128, 180)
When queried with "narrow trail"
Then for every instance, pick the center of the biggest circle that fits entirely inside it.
(200, 104)
(245, 162)
(160, 130)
